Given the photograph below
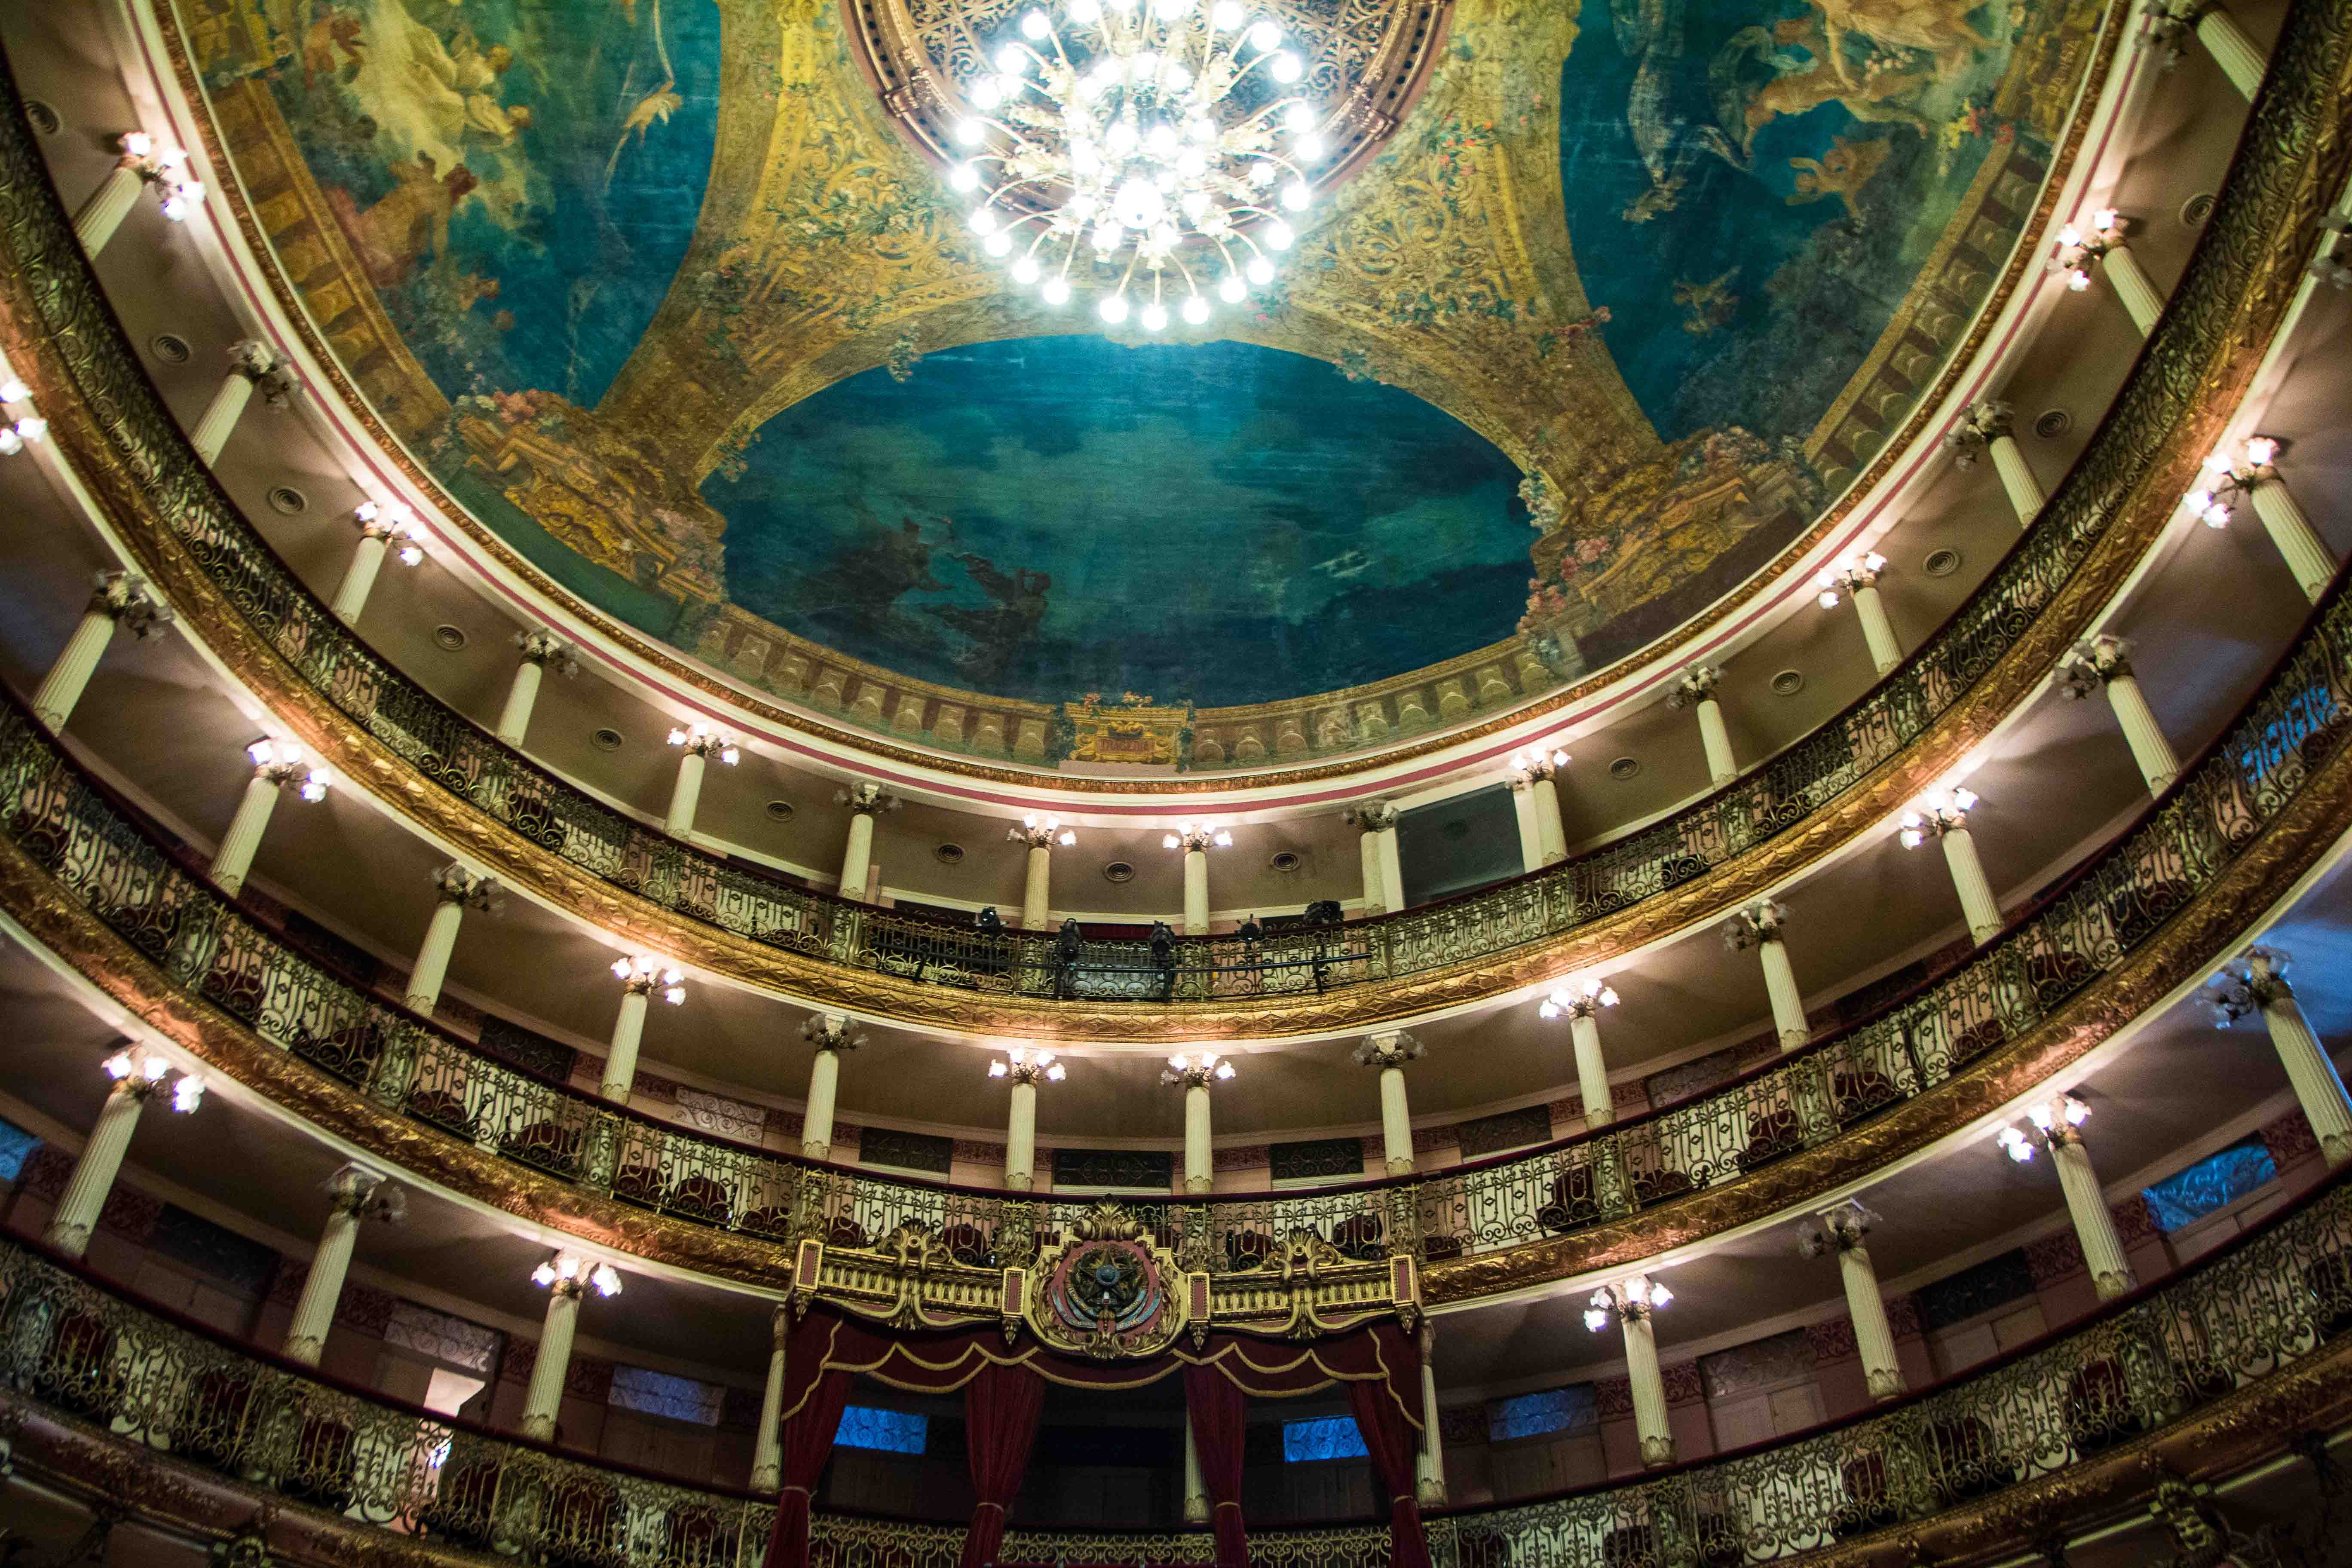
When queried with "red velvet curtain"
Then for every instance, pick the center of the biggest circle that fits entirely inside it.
(1220, 1410)
(807, 1444)
(1000, 1406)
(1390, 1439)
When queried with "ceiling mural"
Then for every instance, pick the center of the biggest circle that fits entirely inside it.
(662, 296)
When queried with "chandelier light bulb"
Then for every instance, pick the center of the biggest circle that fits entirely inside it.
(986, 93)
(1260, 270)
(1310, 147)
(1278, 238)
(965, 177)
(137, 144)
(1034, 25)
(14, 391)
(1113, 309)
(1295, 196)
(1057, 291)
(2040, 1116)
(1012, 60)
(983, 222)
(1232, 291)
(1265, 36)
(1086, 12)
(2015, 1145)
(314, 784)
(1286, 68)
(188, 1094)
(2104, 220)
(1154, 317)
(1596, 1318)
(1298, 118)
(1196, 309)
(606, 1280)
(1025, 270)
(1227, 15)
(2261, 451)
(997, 243)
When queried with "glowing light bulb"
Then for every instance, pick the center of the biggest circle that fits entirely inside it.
(1227, 15)
(1286, 68)
(1260, 271)
(1113, 309)
(1155, 317)
(1034, 25)
(1025, 270)
(998, 243)
(1057, 291)
(1011, 59)
(1278, 237)
(986, 93)
(983, 222)
(1297, 196)
(1310, 147)
(964, 177)
(1265, 36)
(1196, 309)
(1232, 291)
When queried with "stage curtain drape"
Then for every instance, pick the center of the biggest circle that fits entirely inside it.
(1000, 1406)
(1220, 1410)
(1390, 1443)
(807, 1443)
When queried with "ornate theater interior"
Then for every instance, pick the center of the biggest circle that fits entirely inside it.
(1325, 783)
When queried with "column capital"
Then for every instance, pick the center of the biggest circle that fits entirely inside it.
(1978, 428)
(363, 1194)
(1939, 813)
(867, 798)
(262, 364)
(1851, 575)
(1027, 1065)
(2170, 24)
(1372, 816)
(1390, 1048)
(1535, 764)
(1041, 832)
(1631, 1301)
(2080, 248)
(1198, 1070)
(2223, 478)
(162, 170)
(2056, 1123)
(641, 974)
(1694, 686)
(140, 1074)
(541, 646)
(1579, 999)
(1760, 922)
(282, 762)
(701, 740)
(567, 1274)
(2255, 980)
(832, 1032)
(458, 884)
(1841, 1227)
(1196, 837)
(2090, 664)
(125, 598)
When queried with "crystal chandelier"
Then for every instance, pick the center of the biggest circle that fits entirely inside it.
(1143, 150)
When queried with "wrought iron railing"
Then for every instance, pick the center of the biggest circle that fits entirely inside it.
(102, 855)
(2165, 392)
(2272, 1297)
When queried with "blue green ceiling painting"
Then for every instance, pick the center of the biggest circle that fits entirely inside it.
(667, 306)
(1053, 516)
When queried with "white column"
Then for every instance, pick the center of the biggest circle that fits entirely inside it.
(1761, 926)
(107, 206)
(1387, 1053)
(1534, 772)
(542, 1400)
(1696, 690)
(2259, 982)
(2103, 663)
(456, 890)
(2307, 554)
(1376, 847)
(1431, 1473)
(1196, 892)
(766, 1443)
(120, 600)
(538, 650)
(696, 745)
(866, 800)
(2141, 302)
(1196, 1488)
(1040, 834)
(84, 1199)
(1856, 577)
(359, 577)
(2241, 61)
(640, 977)
(1523, 806)
(253, 366)
(1021, 1136)
(1194, 1073)
(1882, 1369)
(1651, 1422)
(359, 1194)
(1550, 834)
(1978, 905)
(275, 764)
(1987, 426)
(831, 1033)
(1583, 1006)
(2095, 1227)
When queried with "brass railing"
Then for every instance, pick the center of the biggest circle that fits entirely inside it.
(99, 855)
(2274, 1296)
(758, 905)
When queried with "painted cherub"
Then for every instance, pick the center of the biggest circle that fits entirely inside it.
(1840, 172)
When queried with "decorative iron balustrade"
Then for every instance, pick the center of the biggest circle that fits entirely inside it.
(2165, 392)
(2269, 1300)
(101, 856)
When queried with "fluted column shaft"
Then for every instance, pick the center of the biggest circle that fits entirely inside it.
(1592, 1069)
(1036, 889)
(2157, 763)
(61, 689)
(685, 794)
(1396, 1122)
(2140, 300)
(1874, 1337)
(1385, 845)
(2234, 52)
(323, 1288)
(102, 214)
(1021, 1137)
(427, 976)
(2307, 554)
(1196, 892)
(358, 578)
(542, 1400)
(1978, 905)
(1196, 1486)
(766, 1443)
(1877, 631)
(1367, 857)
(2318, 1088)
(1780, 986)
(1722, 767)
(218, 421)
(858, 857)
(816, 1122)
(2087, 1205)
(234, 859)
(1199, 1159)
(621, 1056)
(1651, 1426)
(1552, 834)
(84, 1199)
(522, 696)
(2024, 491)
(1431, 1471)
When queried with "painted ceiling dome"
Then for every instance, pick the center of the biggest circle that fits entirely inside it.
(1598, 306)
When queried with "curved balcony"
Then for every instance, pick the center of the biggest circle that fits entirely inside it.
(2208, 1369)
(2143, 916)
(386, 733)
